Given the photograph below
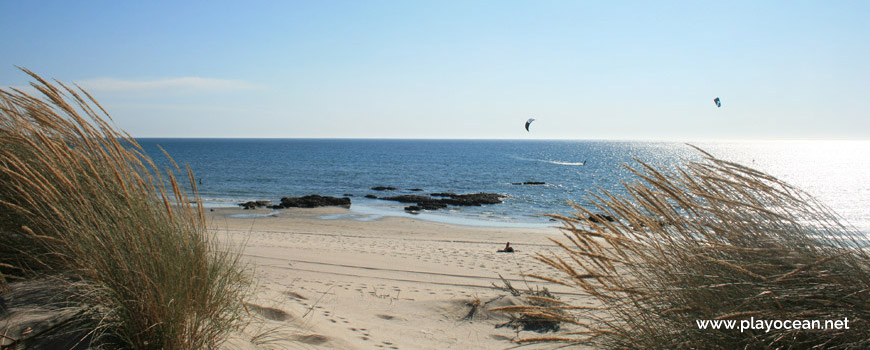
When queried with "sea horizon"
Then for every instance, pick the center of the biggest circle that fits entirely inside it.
(234, 170)
(508, 139)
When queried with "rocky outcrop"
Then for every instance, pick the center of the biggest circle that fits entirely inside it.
(442, 194)
(409, 198)
(430, 203)
(474, 199)
(529, 183)
(597, 218)
(254, 204)
(371, 196)
(384, 188)
(426, 206)
(312, 201)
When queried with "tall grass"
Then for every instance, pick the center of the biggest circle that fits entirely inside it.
(713, 241)
(79, 199)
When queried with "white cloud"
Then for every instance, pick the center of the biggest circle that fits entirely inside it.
(192, 84)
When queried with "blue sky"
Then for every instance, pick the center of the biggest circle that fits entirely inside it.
(412, 69)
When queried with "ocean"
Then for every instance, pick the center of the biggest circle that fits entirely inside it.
(236, 170)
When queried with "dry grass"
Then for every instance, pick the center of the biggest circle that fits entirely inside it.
(540, 311)
(715, 240)
(81, 200)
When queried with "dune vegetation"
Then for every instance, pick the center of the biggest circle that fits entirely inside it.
(81, 204)
(713, 241)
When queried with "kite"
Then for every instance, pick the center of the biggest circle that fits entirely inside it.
(717, 102)
(529, 122)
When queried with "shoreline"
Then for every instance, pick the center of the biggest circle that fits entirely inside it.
(363, 212)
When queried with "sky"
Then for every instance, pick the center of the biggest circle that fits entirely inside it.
(618, 70)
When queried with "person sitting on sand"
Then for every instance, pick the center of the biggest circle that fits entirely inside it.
(507, 249)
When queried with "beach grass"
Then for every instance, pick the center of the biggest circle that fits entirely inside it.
(82, 203)
(713, 241)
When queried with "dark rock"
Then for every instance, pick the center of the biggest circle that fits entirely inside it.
(665, 223)
(313, 201)
(596, 218)
(348, 195)
(415, 189)
(475, 199)
(384, 188)
(433, 205)
(442, 194)
(371, 196)
(429, 203)
(534, 183)
(409, 198)
(516, 183)
(254, 204)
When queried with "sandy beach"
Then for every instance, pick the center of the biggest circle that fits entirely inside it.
(391, 283)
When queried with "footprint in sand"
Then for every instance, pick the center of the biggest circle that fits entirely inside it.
(268, 313)
(312, 339)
